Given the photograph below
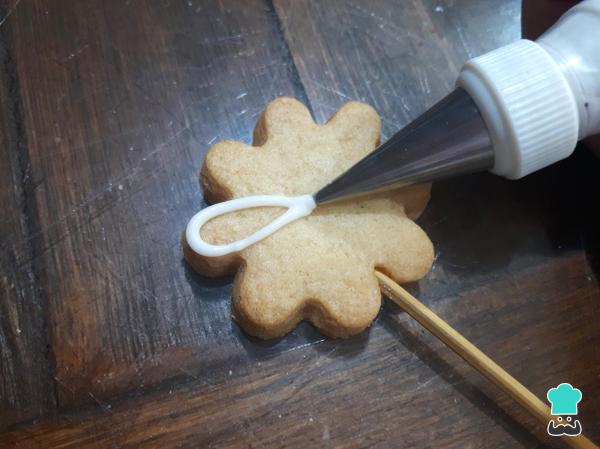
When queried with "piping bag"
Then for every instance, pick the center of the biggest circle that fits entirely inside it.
(515, 110)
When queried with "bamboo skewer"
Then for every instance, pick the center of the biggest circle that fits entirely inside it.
(474, 357)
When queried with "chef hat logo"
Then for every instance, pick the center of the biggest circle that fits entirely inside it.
(564, 399)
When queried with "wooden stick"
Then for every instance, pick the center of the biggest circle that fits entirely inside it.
(474, 356)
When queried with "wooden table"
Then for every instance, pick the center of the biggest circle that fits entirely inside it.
(108, 339)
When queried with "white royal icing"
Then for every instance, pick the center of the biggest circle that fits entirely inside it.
(298, 207)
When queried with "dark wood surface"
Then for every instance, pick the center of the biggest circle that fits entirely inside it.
(26, 386)
(107, 339)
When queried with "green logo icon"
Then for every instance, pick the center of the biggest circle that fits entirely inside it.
(564, 399)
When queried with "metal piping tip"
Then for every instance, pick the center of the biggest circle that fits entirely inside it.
(448, 140)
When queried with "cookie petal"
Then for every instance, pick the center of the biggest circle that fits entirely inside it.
(299, 274)
(413, 198)
(283, 118)
(377, 227)
(225, 166)
(357, 127)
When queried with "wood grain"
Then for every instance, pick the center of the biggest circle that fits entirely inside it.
(475, 357)
(118, 109)
(399, 56)
(26, 385)
(118, 102)
(395, 384)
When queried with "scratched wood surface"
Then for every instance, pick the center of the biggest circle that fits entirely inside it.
(107, 339)
(26, 386)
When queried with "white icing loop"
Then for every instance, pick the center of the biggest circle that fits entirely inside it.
(298, 207)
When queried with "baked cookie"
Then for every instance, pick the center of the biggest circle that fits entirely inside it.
(318, 268)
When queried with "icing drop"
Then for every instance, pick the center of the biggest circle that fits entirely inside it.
(298, 207)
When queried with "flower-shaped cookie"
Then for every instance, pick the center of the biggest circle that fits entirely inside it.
(319, 268)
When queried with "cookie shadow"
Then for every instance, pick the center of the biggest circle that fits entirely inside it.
(302, 336)
(206, 288)
(447, 372)
(345, 348)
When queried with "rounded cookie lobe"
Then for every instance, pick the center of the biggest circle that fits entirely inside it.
(413, 199)
(283, 119)
(223, 163)
(377, 226)
(300, 274)
(357, 127)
